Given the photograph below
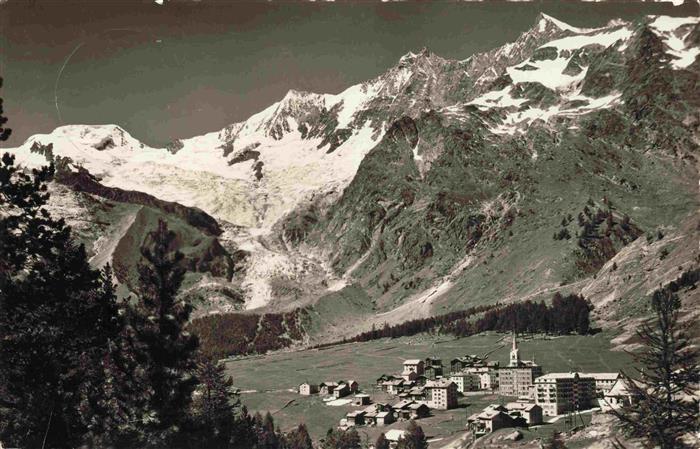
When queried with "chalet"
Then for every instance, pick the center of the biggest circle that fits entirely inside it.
(489, 421)
(355, 418)
(433, 372)
(327, 388)
(384, 418)
(618, 396)
(418, 410)
(379, 415)
(421, 380)
(416, 393)
(385, 378)
(411, 410)
(395, 386)
(532, 413)
(361, 399)
(341, 390)
(354, 386)
(307, 389)
(442, 394)
(460, 363)
(412, 368)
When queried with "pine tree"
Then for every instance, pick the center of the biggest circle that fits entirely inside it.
(298, 438)
(341, 439)
(555, 442)
(414, 438)
(382, 442)
(58, 320)
(167, 349)
(214, 406)
(661, 411)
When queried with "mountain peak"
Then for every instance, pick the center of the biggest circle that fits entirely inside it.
(411, 57)
(544, 21)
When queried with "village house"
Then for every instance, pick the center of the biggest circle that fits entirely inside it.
(432, 368)
(354, 386)
(361, 399)
(441, 394)
(412, 368)
(559, 393)
(327, 388)
(341, 390)
(307, 389)
(385, 378)
(618, 396)
(421, 380)
(384, 418)
(518, 378)
(355, 418)
(395, 387)
(492, 418)
(379, 415)
(532, 413)
(411, 410)
(466, 381)
(460, 363)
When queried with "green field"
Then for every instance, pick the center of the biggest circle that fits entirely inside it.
(269, 382)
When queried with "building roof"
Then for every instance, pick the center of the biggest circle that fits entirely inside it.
(555, 376)
(416, 405)
(525, 406)
(394, 434)
(382, 415)
(355, 413)
(440, 383)
(402, 404)
(412, 362)
(602, 376)
(361, 395)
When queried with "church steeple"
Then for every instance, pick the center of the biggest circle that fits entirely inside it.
(514, 353)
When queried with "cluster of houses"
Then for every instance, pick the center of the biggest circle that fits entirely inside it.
(424, 385)
(549, 394)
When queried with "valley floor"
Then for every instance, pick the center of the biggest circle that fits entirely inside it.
(269, 383)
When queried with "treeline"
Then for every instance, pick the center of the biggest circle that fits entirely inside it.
(409, 328)
(228, 334)
(566, 315)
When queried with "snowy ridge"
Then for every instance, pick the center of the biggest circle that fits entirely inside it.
(254, 172)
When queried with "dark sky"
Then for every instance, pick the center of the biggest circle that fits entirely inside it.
(166, 72)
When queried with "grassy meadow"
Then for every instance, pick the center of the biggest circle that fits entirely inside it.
(269, 382)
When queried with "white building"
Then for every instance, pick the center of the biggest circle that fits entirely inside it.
(559, 393)
(442, 394)
(412, 368)
(466, 381)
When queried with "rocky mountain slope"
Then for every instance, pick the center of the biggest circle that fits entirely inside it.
(535, 167)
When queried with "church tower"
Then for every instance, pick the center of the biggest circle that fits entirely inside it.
(514, 353)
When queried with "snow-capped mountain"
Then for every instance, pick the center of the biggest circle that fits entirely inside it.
(407, 183)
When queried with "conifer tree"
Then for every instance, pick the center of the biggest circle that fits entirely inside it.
(663, 408)
(382, 442)
(414, 438)
(214, 406)
(298, 438)
(167, 350)
(58, 319)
